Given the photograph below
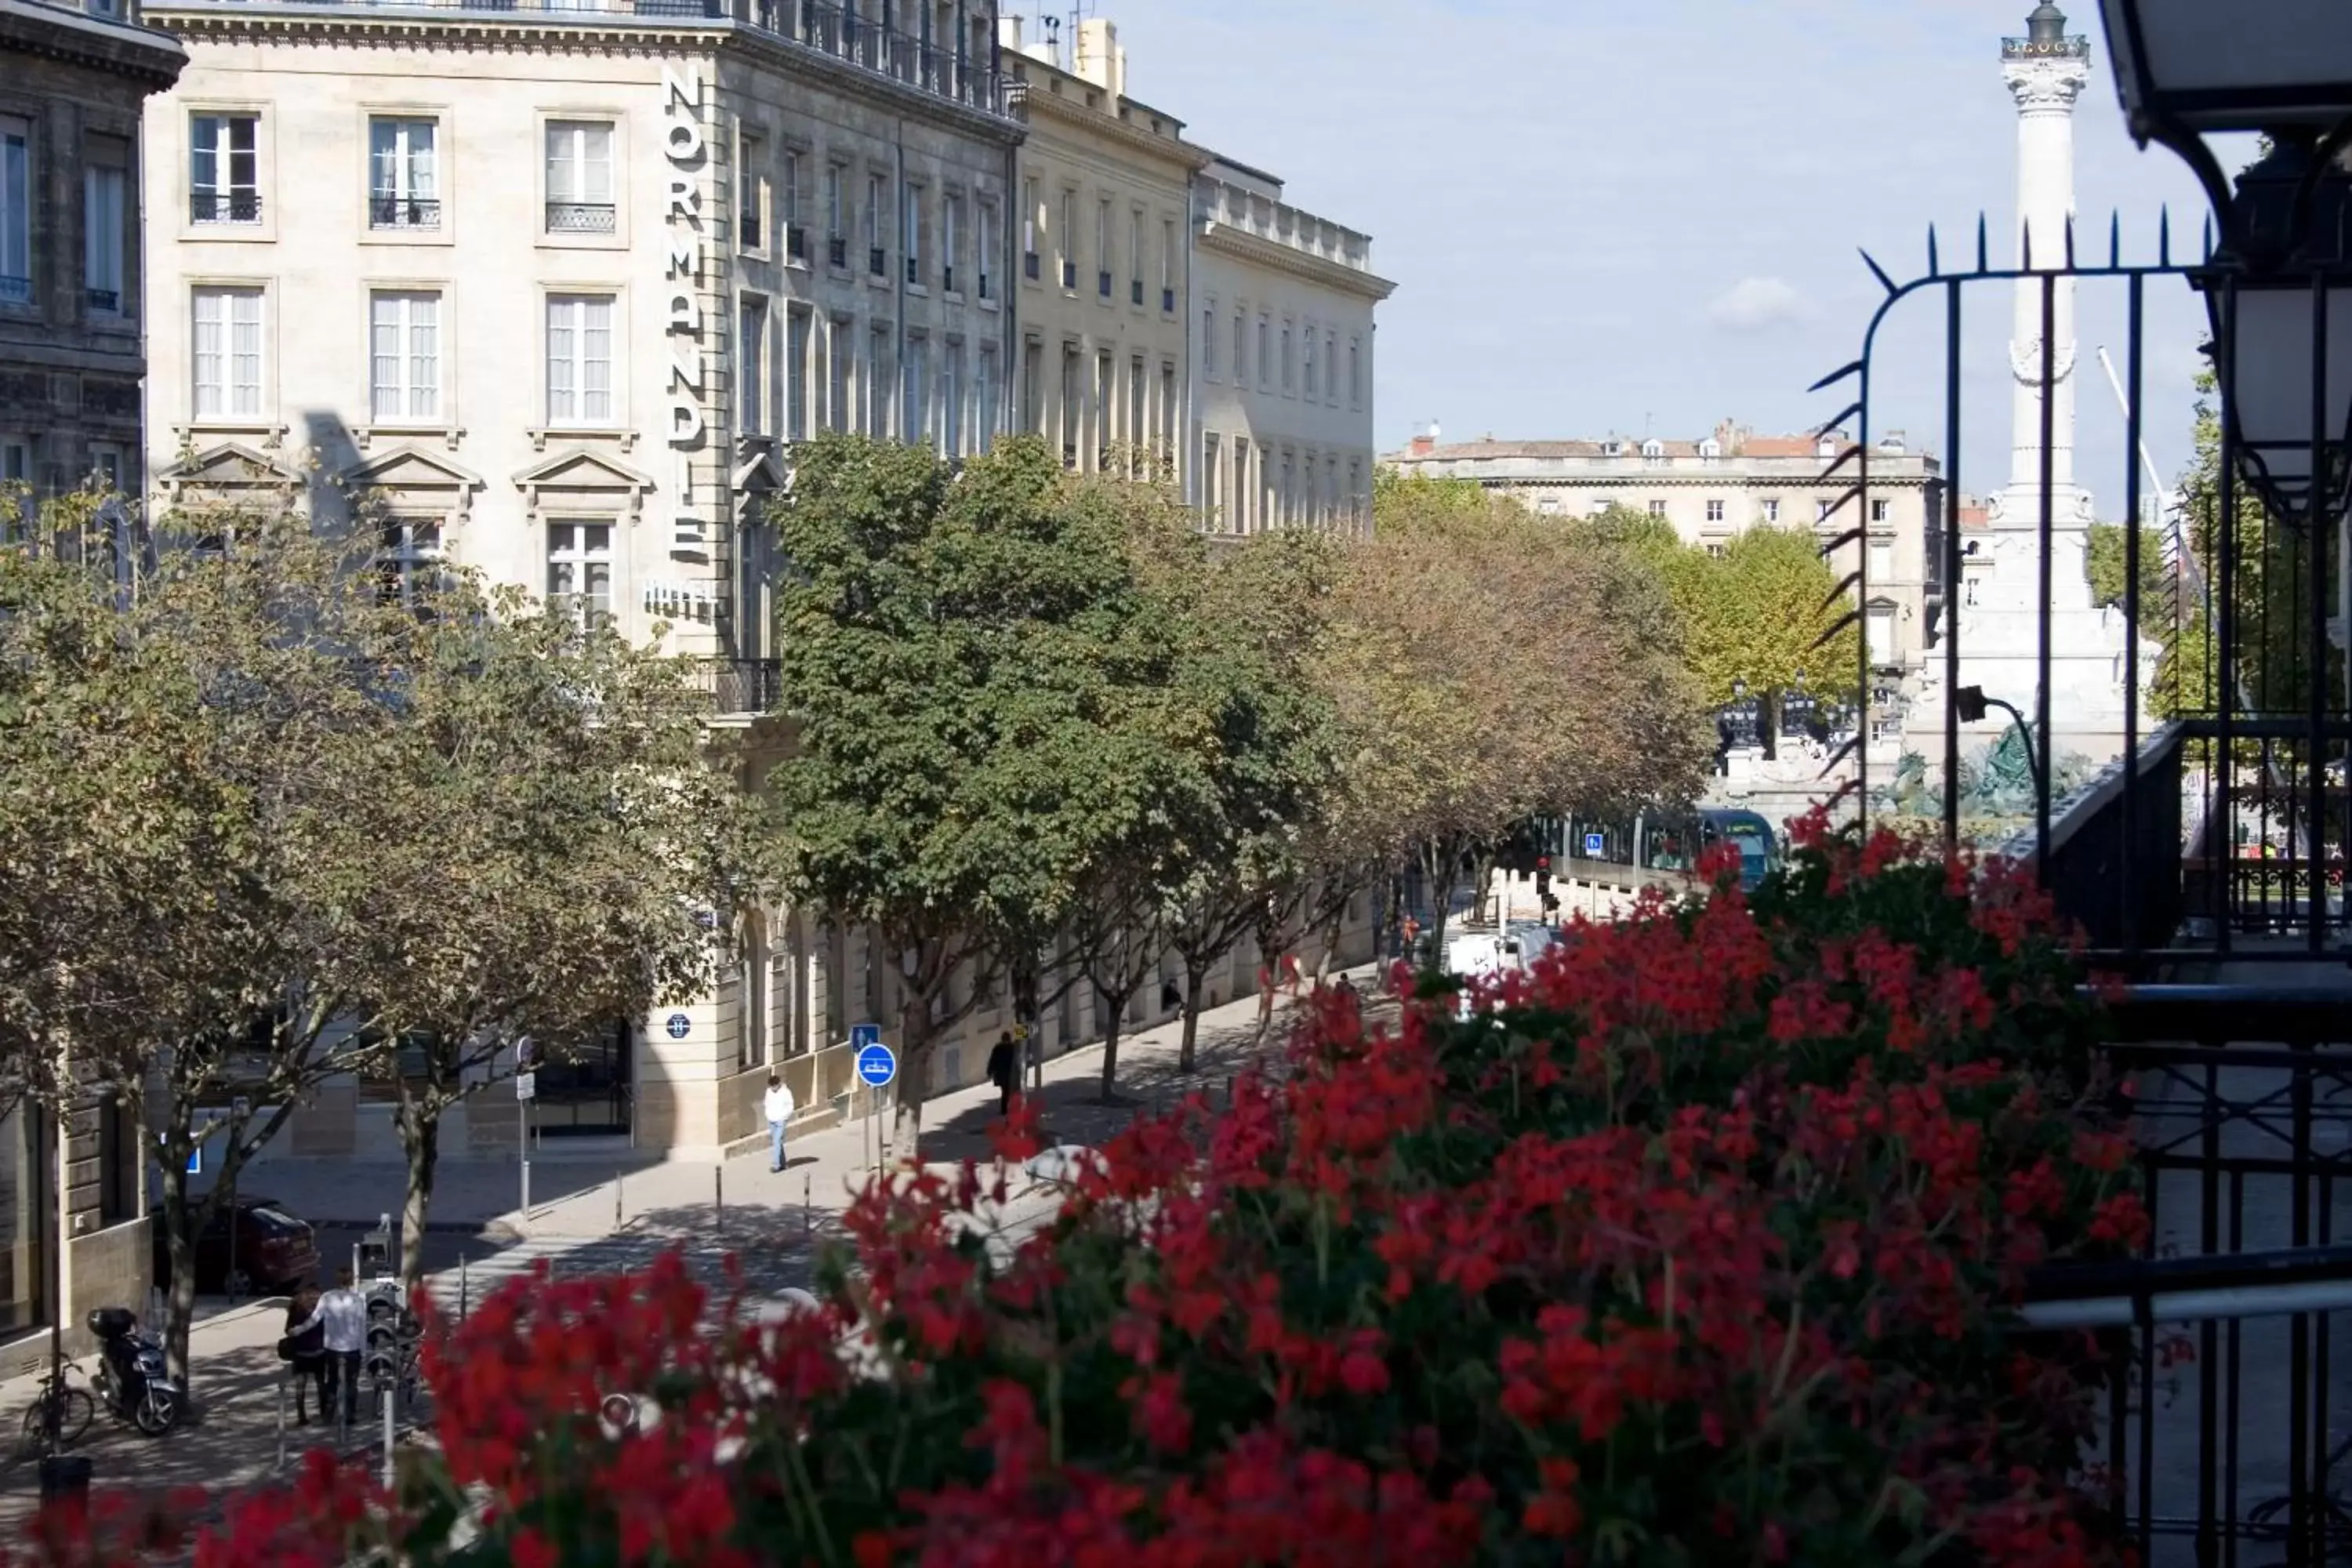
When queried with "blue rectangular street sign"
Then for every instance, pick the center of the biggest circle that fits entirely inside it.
(864, 1034)
(1594, 845)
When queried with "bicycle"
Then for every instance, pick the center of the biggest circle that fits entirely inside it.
(73, 1406)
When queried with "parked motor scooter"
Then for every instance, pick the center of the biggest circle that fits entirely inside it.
(132, 1377)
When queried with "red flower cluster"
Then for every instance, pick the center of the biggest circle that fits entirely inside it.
(1697, 1245)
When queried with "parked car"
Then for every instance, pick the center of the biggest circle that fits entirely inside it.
(274, 1249)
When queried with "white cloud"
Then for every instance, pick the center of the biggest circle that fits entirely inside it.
(1753, 304)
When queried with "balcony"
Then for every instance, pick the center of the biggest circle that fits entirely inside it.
(877, 262)
(389, 211)
(837, 252)
(15, 290)
(108, 300)
(741, 688)
(580, 217)
(795, 243)
(224, 206)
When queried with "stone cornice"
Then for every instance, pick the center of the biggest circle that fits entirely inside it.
(566, 32)
(1258, 251)
(147, 56)
(1654, 479)
(1174, 151)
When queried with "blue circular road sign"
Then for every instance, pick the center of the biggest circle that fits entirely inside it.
(679, 1025)
(877, 1065)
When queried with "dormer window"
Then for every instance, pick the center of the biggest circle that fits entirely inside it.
(1613, 447)
(1829, 447)
(1710, 449)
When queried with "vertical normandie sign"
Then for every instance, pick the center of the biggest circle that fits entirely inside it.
(686, 233)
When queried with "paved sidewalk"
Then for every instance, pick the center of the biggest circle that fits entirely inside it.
(598, 1216)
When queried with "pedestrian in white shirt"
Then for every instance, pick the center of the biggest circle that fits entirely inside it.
(341, 1313)
(779, 1107)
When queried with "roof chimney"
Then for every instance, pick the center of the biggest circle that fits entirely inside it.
(1008, 34)
(1421, 444)
(1097, 53)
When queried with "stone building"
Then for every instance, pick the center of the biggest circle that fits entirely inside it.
(1281, 356)
(549, 292)
(1718, 485)
(1105, 253)
(73, 84)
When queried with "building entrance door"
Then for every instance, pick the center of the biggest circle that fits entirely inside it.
(586, 1091)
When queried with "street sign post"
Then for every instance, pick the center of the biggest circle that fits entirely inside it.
(878, 1069)
(1595, 845)
(526, 1086)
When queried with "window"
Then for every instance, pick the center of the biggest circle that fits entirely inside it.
(579, 570)
(227, 355)
(579, 359)
(106, 464)
(1289, 486)
(751, 1021)
(408, 562)
(1135, 423)
(1105, 401)
(1289, 363)
(951, 402)
(578, 177)
(1029, 211)
(1602, 503)
(986, 430)
(1102, 248)
(15, 465)
(1355, 373)
(789, 209)
(1241, 490)
(404, 356)
(117, 1142)
(1355, 483)
(747, 193)
(1209, 340)
(1073, 402)
(104, 188)
(838, 383)
(1822, 509)
(403, 180)
(1168, 408)
(1331, 368)
(911, 236)
(1068, 240)
(1330, 486)
(836, 222)
(984, 268)
(1715, 511)
(1033, 390)
(1879, 625)
(951, 238)
(1308, 357)
(877, 380)
(15, 212)
(751, 364)
(876, 196)
(1241, 349)
(915, 426)
(1882, 560)
(1264, 354)
(223, 173)
(1881, 509)
(1213, 481)
(1168, 267)
(1657, 508)
(1772, 508)
(1135, 256)
(800, 328)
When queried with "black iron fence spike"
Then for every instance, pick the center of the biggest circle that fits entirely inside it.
(2025, 247)
(2164, 235)
(1933, 269)
(2070, 242)
(2115, 237)
(1837, 421)
(2205, 255)
(1984, 253)
(1841, 373)
(1880, 273)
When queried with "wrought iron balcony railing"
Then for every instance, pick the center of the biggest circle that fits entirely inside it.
(16, 289)
(224, 206)
(740, 688)
(107, 300)
(386, 210)
(837, 252)
(1029, 265)
(795, 242)
(580, 217)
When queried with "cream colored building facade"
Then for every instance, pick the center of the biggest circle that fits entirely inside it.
(1105, 254)
(551, 291)
(1734, 480)
(1282, 358)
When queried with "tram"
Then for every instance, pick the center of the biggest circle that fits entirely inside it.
(1666, 840)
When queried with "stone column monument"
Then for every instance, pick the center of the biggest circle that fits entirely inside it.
(1997, 606)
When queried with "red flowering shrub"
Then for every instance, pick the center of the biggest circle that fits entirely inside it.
(1695, 1247)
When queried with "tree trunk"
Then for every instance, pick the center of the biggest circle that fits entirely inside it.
(1116, 1010)
(914, 1073)
(179, 1300)
(420, 1138)
(1195, 978)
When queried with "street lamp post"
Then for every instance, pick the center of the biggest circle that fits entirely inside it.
(2279, 288)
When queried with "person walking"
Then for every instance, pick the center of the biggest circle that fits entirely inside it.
(341, 1314)
(1005, 1072)
(305, 1351)
(779, 1106)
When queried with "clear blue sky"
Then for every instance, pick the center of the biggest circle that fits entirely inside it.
(1604, 213)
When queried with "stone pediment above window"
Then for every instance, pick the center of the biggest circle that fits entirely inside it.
(583, 479)
(231, 474)
(411, 479)
(761, 473)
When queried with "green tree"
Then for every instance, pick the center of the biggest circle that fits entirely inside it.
(965, 656)
(2105, 566)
